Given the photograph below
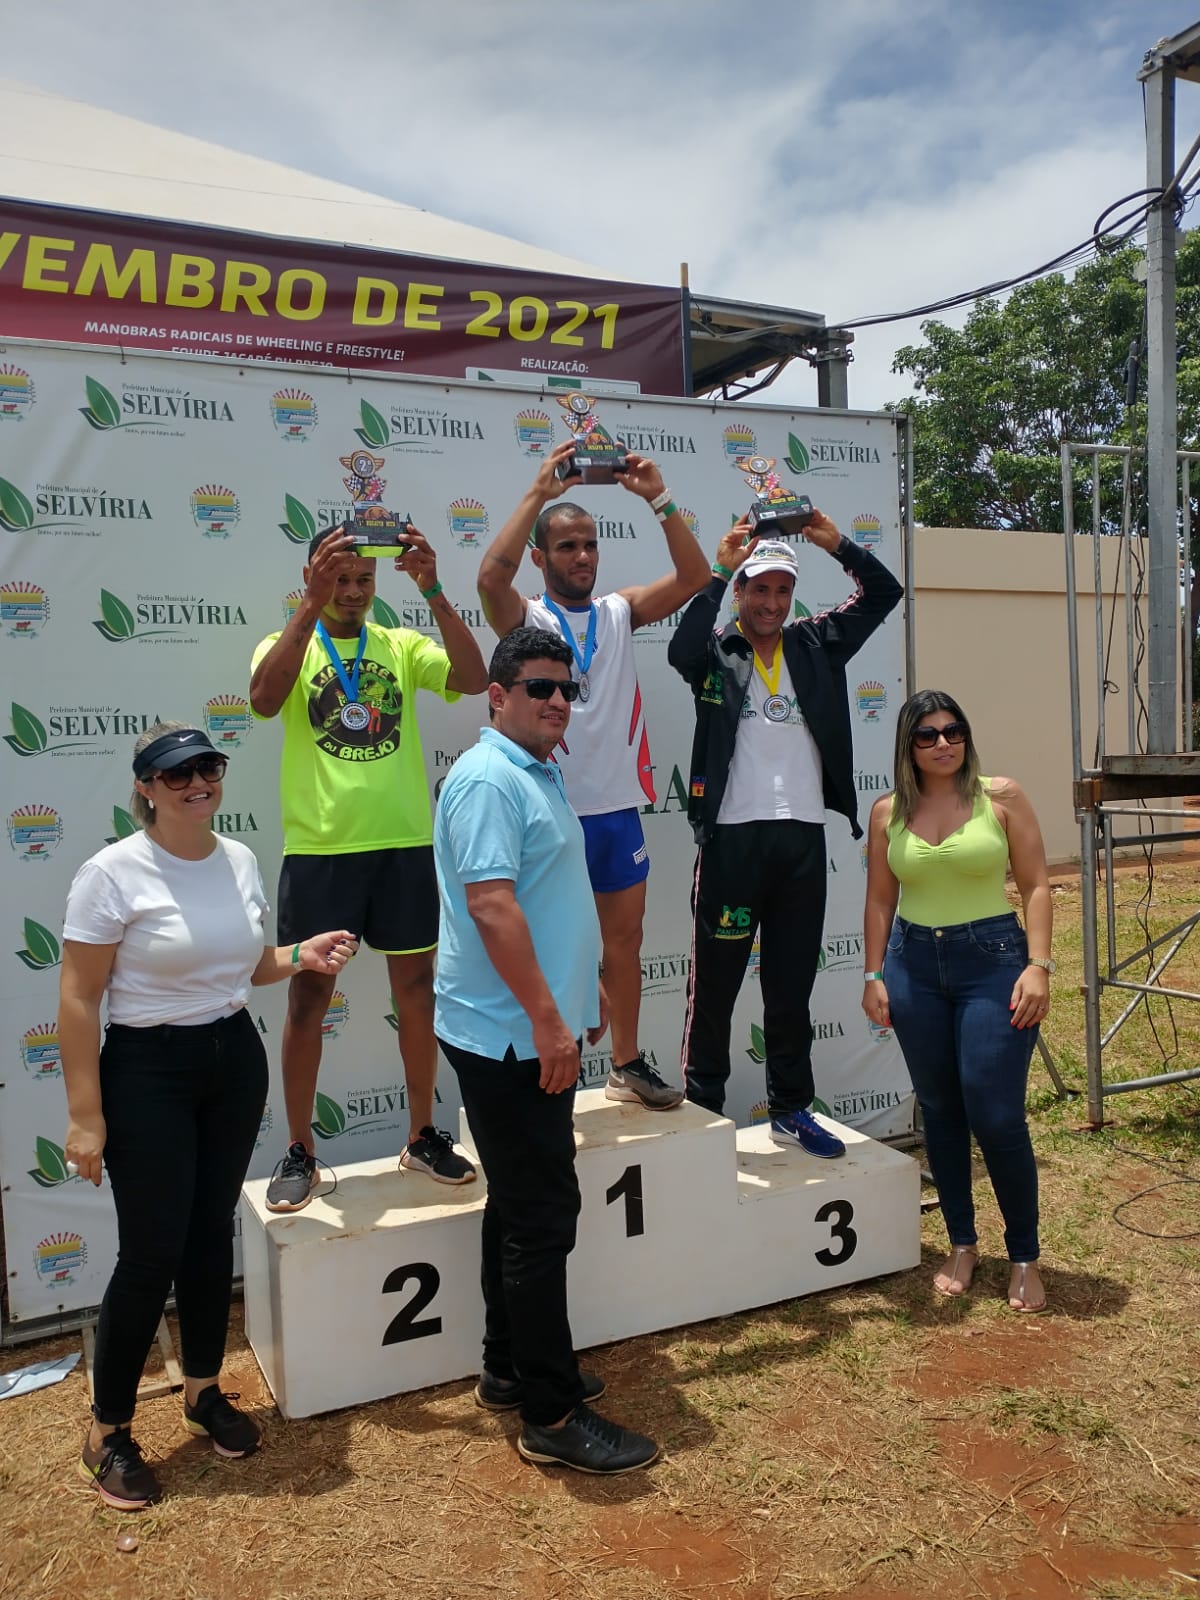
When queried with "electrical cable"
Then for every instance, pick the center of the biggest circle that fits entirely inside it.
(1165, 1183)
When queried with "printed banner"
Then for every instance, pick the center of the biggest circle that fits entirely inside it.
(83, 277)
(154, 520)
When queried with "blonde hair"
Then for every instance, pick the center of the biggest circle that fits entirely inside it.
(908, 782)
(140, 809)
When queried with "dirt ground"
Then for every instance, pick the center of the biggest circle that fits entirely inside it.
(878, 1442)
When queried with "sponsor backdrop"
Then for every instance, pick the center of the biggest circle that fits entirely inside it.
(154, 518)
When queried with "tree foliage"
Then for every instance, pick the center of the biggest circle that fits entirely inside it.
(996, 399)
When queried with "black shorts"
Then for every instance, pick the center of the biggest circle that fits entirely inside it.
(385, 898)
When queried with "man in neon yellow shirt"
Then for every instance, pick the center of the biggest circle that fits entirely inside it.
(357, 826)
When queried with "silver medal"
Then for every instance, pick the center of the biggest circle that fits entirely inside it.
(354, 717)
(775, 708)
(585, 688)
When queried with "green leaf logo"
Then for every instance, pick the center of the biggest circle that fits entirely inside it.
(331, 1119)
(301, 525)
(102, 411)
(392, 1020)
(758, 1043)
(797, 456)
(51, 1169)
(821, 961)
(28, 737)
(374, 430)
(41, 947)
(819, 1105)
(383, 614)
(16, 513)
(802, 610)
(123, 825)
(117, 625)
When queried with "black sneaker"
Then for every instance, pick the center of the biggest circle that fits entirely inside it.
(118, 1473)
(433, 1154)
(506, 1394)
(293, 1180)
(216, 1417)
(638, 1081)
(589, 1443)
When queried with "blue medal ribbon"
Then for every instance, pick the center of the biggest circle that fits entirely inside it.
(348, 680)
(582, 661)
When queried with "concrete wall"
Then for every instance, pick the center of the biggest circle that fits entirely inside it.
(991, 629)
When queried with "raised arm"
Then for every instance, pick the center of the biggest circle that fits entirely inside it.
(468, 672)
(688, 649)
(502, 605)
(1027, 857)
(84, 977)
(275, 675)
(845, 629)
(651, 602)
(883, 892)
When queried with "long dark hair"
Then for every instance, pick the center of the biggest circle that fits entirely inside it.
(908, 783)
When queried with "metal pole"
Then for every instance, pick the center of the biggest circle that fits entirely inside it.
(1130, 669)
(1068, 501)
(908, 550)
(1098, 612)
(1091, 968)
(1187, 641)
(1161, 429)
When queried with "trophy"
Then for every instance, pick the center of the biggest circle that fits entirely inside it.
(377, 532)
(598, 458)
(777, 513)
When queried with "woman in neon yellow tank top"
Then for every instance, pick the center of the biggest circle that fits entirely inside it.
(957, 978)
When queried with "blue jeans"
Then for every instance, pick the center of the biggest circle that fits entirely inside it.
(949, 991)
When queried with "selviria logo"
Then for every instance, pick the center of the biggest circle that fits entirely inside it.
(41, 951)
(51, 1169)
(103, 410)
(416, 428)
(82, 729)
(174, 616)
(67, 509)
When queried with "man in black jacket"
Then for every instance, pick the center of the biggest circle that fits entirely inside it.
(772, 753)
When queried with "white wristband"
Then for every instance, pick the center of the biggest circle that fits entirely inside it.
(660, 500)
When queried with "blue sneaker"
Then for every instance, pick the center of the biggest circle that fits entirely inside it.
(802, 1128)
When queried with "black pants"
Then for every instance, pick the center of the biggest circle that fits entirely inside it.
(751, 875)
(526, 1141)
(182, 1108)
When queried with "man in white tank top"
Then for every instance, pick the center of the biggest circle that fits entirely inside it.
(605, 757)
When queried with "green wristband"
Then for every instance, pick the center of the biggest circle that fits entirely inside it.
(429, 594)
(669, 510)
(718, 571)
(296, 954)
(872, 977)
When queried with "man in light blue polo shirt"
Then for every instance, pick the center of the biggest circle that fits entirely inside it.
(517, 987)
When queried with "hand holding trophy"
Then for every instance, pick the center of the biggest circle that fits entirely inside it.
(597, 457)
(777, 513)
(376, 531)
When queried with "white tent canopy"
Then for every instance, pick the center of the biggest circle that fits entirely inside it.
(61, 152)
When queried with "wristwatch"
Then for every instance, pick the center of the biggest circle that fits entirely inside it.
(1047, 963)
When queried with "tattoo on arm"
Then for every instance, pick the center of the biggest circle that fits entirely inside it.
(502, 561)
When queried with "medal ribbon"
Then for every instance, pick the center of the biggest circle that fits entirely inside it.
(348, 680)
(582, 661)
(772, 681)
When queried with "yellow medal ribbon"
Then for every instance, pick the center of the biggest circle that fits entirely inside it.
(771, 681)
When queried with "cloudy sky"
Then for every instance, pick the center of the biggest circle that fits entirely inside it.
(846, 158)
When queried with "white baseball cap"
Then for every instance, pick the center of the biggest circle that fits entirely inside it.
(770, 556)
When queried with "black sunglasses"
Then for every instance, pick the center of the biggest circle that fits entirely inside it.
(953, 733)
(211, 769)
(543, 688)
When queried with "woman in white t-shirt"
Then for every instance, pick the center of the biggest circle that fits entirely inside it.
(168, 926)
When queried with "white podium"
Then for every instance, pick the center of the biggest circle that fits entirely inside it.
(374, 1290)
